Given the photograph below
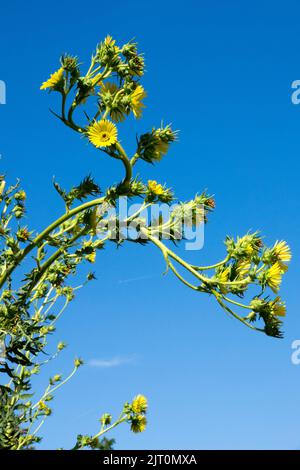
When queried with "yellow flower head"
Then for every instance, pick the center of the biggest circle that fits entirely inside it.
(223, 278)
(42, 405)
(273, 276)
(249, 250)
(109, 41)
(91, 257)
(224, 275)
(243, 268)
(54, 79)
(138, 423)
(282, 251)
(155, 188)
(57, 378)
(278, 307)
(139, 404)
(44, 408)
(136, 101)
(102, 133)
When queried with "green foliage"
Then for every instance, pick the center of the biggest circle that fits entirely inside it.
(86, 188)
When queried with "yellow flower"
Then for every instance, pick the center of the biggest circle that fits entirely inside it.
(102, 133)
(109, 41)
(282, 251)
(278, 307)
(57, 378)
(244, 246)
(54, 79)
(42, 405)
(91, 257)
(138, 423)
(44, 408)
(162, 147)
(249, 250)
(243, 268)
(223, 276)
(155, 188)
(139, 404)
(247, 246)
(136, 101)
(273, 276)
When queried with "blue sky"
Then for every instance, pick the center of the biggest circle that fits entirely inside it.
(221, 72)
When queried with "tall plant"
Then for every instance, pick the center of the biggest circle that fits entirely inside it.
(50, 258)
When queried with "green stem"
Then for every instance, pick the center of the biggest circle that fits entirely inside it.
(126, 162)
(53, 258)
(237, 303)
(91, 66)
(134, 159)
(109, 428)
(69, 122)
(235, 315)
(49, 390)
(212, 266)
(121, 419)
(181, 278)
(143, 207)
(170, 253)
(63, 106)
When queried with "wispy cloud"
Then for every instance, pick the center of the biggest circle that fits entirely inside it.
(113, 362)
(134, 279)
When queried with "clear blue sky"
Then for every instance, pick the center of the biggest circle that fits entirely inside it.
(221, 72)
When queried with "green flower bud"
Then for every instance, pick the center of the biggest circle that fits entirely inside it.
(105, 419)
(78, 362)
(61, 346)
(20, 195)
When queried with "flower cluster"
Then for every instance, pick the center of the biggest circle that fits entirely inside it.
(133, 413)
(158, 192)
(253, 259)
(136, 413)
(249, 261)
(116, 99)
